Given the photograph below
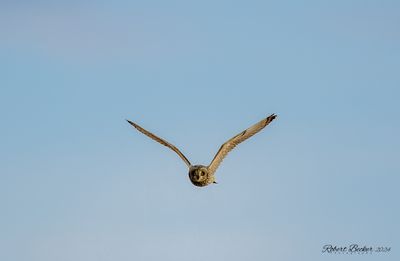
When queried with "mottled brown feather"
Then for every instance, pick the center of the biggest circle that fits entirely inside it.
(161, 141)
(233, 142)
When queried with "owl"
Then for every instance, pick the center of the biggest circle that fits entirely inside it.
(201, 175)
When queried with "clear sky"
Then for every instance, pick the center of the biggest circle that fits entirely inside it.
(77, 183)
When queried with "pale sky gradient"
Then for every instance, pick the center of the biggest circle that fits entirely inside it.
(77, 183)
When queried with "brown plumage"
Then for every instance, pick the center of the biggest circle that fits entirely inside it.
(204, 175)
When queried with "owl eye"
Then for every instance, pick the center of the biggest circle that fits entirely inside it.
(202, 173)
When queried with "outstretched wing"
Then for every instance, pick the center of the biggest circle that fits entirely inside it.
(231, 144)
(163, 142)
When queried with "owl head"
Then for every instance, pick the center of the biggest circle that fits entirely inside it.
(198, 175)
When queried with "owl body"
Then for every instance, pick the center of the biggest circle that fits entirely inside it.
(200, 176)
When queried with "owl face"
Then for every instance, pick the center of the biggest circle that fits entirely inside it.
(199, 175)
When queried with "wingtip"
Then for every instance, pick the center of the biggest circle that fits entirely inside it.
(132, 123)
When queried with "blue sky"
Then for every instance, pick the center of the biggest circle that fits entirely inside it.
(78, 183)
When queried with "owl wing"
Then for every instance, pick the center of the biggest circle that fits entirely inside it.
(231, 144)
(163, 142)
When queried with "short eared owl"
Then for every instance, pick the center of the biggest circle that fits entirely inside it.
(204, 175)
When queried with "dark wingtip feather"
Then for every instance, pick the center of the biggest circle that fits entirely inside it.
(131, 123)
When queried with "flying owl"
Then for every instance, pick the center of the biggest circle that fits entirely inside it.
(204, 175)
